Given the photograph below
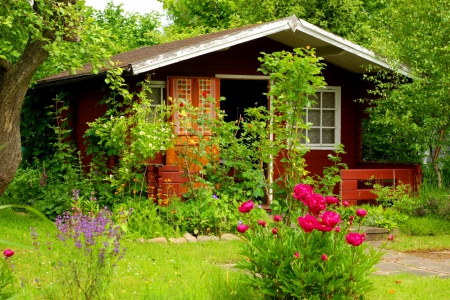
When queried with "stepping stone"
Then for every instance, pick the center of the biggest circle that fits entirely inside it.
(229, 237)
(190, 238)
(207, 238)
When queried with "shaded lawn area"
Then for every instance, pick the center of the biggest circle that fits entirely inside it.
(187, 271)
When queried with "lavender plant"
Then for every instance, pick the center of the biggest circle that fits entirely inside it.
(90, 249)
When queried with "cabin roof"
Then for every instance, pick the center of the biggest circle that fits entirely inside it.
(290, 31)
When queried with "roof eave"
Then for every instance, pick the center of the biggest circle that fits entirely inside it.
(348, 46)
(216, 45)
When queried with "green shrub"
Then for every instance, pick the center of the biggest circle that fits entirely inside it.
(399, 197)
(381, 217)
(427, 225)
(434, 201)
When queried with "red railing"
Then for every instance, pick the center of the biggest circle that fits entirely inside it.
(356, 184)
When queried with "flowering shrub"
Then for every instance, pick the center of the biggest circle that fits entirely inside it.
(6, 276)
(91, 248)
(321, 258)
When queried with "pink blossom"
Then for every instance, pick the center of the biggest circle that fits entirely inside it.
(297, 255)
(316, 203)
(361, 212)
(242, 228)
(351, 218)
(355, 238)
(308, 223)
(391, 237)
(345, 203)
(274, 231)
(277, 218)
(330, 218)
(331, 200)
(8, 253)
(337, 229)
(324, 257)
(262, 223)
(246, 206)
(302, 191)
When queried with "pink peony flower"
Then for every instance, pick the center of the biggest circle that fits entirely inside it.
(302, 192)
(8, 253)
(246, 206)
(361, 212)
(308, 223)
(316, 204)
(277, 218)
(330, 218)
(351, 218)
(242, 228)
(391, 237)
(337, 229)
(345, 203)
(274, 231)
(324, 257)
(355, 238)
(297, 255)
(262, 223)
(331, 200)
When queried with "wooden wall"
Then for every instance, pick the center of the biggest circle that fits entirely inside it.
(237, 60)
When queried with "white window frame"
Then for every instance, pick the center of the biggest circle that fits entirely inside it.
(162, 85)
(337, 121)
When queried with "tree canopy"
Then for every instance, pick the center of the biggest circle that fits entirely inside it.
(349, 18)
(42, 37)
(416, 110)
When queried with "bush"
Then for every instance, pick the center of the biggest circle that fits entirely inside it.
(381, 217)
(319, 260)
(433, 201)
(428, 225)
(399, 197)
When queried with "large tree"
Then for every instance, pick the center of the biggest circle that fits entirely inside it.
(415, 33)
(347, 18)
(30, 31)
(42, 37)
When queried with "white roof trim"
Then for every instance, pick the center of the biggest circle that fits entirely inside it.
(265, 29)
(344, 44)
(214, 45)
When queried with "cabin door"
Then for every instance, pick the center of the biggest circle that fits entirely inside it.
(195, 91)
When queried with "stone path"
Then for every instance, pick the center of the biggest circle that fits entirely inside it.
(431, 264)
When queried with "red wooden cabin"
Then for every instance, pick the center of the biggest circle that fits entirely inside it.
(225, 64)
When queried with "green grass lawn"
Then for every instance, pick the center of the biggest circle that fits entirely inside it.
(405, 243)
(186, 271)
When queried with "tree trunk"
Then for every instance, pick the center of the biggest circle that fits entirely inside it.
(434, 159)
(14, 82)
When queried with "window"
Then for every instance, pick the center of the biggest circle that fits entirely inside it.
(193, 90)
(324, 115)
(156, 95)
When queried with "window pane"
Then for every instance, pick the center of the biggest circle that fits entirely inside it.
(328, 136)
(314, 117)
(155, 96)
(328, 100)
(314, 135)
(328, 118)
(315, 99)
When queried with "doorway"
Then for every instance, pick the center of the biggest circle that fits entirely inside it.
(241, 94)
